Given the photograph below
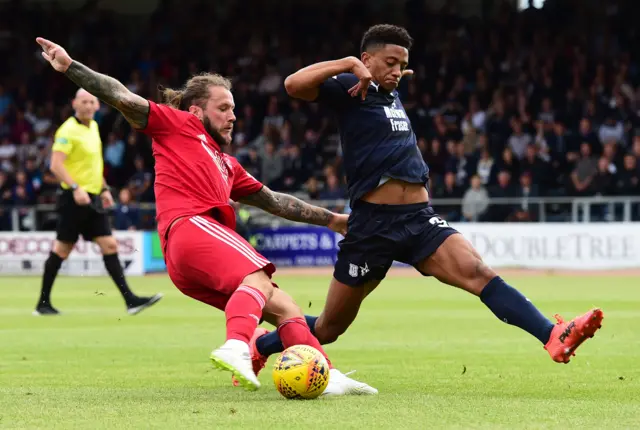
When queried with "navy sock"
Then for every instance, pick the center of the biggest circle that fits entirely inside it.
(311, 322)
(509, 305)
(270, 343)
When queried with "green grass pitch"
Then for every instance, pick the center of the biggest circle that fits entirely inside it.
(439, 358)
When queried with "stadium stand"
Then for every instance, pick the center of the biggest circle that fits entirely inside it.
(516, 104)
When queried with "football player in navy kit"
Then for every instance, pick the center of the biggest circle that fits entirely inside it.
(391, 217)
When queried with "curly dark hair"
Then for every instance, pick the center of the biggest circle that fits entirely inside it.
(385, 34)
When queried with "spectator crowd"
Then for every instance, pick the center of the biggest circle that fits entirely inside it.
(539, 102)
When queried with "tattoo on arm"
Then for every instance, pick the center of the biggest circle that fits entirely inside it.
(289, 207)
(111, 91)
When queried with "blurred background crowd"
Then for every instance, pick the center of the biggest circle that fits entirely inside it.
(514, 103)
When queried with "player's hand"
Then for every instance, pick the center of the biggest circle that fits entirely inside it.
(107, 199)
(364, 76)
(81, 197)
(338, 223)
(406, 72)
(55, 54)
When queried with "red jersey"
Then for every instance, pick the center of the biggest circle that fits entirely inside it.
(193, 176)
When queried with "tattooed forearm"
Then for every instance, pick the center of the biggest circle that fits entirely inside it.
(289, 207)
(106, 88)
(111, 91)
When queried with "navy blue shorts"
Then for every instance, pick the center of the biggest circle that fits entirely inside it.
(379, 234)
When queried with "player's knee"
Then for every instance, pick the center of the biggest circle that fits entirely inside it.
(328, 336)
(63, 254)
(266, 288)
(471, 272)
(261, 282)
(62, 249)
(476, 273)
(108, 245)
(327, 333)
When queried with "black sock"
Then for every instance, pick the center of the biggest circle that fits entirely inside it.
(112, 263)
(51, 268)
(270, 343)
(510, 306)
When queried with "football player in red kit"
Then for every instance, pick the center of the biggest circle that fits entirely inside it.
(206, 259)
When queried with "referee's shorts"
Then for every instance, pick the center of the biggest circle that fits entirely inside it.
(90, 221)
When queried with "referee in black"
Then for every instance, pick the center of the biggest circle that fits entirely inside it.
(76, 161)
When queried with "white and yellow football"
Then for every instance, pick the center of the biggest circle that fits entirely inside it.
(301, 372)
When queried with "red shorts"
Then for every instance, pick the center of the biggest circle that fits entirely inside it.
(208, 261)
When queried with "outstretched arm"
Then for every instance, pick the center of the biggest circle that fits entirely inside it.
(294, 209)
(134, 108)
(304, 83)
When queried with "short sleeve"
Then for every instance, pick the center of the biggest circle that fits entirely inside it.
(244, 183)
(163, 119)
(63, 141)
(334, 92)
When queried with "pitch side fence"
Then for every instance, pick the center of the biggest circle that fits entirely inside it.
(568, 233)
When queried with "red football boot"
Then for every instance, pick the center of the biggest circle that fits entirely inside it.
(258, 360)
(566, 337)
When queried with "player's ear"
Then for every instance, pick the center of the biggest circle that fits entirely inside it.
(365, 58)
(197, 111)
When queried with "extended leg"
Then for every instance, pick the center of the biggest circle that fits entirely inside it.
(457, 263)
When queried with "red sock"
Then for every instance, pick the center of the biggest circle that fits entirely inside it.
(243, 312)
(295, 331)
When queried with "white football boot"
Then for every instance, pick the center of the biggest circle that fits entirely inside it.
(234, 357)
(341, 385)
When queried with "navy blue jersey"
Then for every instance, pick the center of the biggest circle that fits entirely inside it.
(376, 136)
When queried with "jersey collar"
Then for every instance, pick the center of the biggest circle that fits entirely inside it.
(80, 122)
(379, 89)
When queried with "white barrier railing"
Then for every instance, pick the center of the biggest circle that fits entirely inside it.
(573, 209)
